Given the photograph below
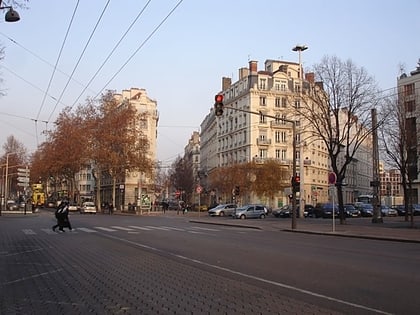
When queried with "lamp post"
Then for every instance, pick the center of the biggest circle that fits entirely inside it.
(299, 49)
(6, 192)
(11, 15)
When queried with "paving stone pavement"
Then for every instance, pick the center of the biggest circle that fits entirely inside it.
(72, 274)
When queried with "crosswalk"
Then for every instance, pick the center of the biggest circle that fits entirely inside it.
(131, 229)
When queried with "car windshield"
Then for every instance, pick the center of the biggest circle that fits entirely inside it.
(89, 204)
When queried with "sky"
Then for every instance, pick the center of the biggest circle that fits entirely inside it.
(179, 50)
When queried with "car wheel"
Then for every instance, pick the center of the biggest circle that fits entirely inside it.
(243, 217)
(222, 214)
(262, 216)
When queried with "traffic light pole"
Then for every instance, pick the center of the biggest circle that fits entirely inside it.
(294, 154)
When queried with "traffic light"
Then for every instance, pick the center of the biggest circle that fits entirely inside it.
(237, 191)
(296, 183)
(218, 105)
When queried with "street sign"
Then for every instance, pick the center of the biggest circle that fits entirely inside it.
(24, 170)
(199, 189)
(332, 178)
(23, 179)
(23, 184)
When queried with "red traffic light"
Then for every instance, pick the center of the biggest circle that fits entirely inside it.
(218, 98)
(297, 179)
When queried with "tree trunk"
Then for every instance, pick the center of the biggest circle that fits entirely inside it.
(342, 215)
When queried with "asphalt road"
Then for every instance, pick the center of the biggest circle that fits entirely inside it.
(169, 265)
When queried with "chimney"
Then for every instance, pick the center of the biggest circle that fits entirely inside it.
(310, 77)
(253, 67)
(243, 73)
(226, 83)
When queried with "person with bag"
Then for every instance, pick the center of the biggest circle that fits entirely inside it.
(62, 216)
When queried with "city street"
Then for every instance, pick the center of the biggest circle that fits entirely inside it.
(169, 264)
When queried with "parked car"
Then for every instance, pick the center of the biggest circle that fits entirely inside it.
(351, 211)
(88, 207)
(388, 212)
(73, 207)
(251, 211)
(227, 209)
(366, 209)
(12, 205)
(286, 211)
(325, 210)
(400, 209)
(416, 209)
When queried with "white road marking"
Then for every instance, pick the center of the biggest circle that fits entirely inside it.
(157, 228)
(139, 227)
(28, 232)
(121, 228)
(86, 230)
(204, 229)
(104, 229)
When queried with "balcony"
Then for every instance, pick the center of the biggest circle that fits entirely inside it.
(263, 141)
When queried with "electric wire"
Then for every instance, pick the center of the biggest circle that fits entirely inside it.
(80, 58)
(58, 58)
(141, 46)
(41, 59)
(111, 53)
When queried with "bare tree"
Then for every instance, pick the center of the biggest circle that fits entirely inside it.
(338, 113)
(400, 146)
(181, 175)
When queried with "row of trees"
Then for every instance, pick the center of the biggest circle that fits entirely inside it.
(106, 136)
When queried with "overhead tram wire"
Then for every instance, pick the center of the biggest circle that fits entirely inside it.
(80, 58)
(58, 58)
(111, 53)
(141, 46)
(43, 60)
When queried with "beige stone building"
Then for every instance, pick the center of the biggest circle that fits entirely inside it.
(138, 188)
(240, 137)
(409, 97)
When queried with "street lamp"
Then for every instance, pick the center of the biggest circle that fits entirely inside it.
(300, 48)
(11, 15)
(5, 182)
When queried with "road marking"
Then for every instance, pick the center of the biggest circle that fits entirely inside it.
(121, 228)
(174, 228)
(49, 231)
(86, 230)
(157, 228)
(28, 232)
(204, 229)
(232, 271)
(139, 227)
(104, 229)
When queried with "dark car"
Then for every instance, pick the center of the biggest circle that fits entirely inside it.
(400, 209)
(325, 210)
(351, 211)
(388, 212)
(286, 211)
(366, 209)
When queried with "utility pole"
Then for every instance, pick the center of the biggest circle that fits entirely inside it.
(376, 202)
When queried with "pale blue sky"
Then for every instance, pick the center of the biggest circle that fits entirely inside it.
(182, 64)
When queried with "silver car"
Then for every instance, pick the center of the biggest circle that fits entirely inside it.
(251, 211)
(223, 210)
(88, 207)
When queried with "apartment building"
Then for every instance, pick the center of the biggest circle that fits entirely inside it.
(239, 136)
(390, 189)
(138, 188)
(409, 97)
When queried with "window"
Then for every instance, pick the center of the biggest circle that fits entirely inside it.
(263, 153)
(262, 119)
(280, 136)
(263, 101)
(263, 84)
(278, 102)
(283, 86)
(409, 89)
(410, 106)
(297, 103)
(277, 85)
(283, 102)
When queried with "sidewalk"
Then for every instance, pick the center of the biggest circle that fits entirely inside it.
(392, 229)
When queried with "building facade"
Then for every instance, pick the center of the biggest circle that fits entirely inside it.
(409, 98)
(138, 189)
(239, 136)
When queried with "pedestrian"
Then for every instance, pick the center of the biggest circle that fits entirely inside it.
(62, 216)
(111, 208)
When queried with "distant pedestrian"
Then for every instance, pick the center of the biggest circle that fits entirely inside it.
(62, 216)
(110, 208)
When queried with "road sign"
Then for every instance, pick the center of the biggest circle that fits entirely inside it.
(23, 170)
(23, 184)
(23, 179)
(199, 189)
(332, 178)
